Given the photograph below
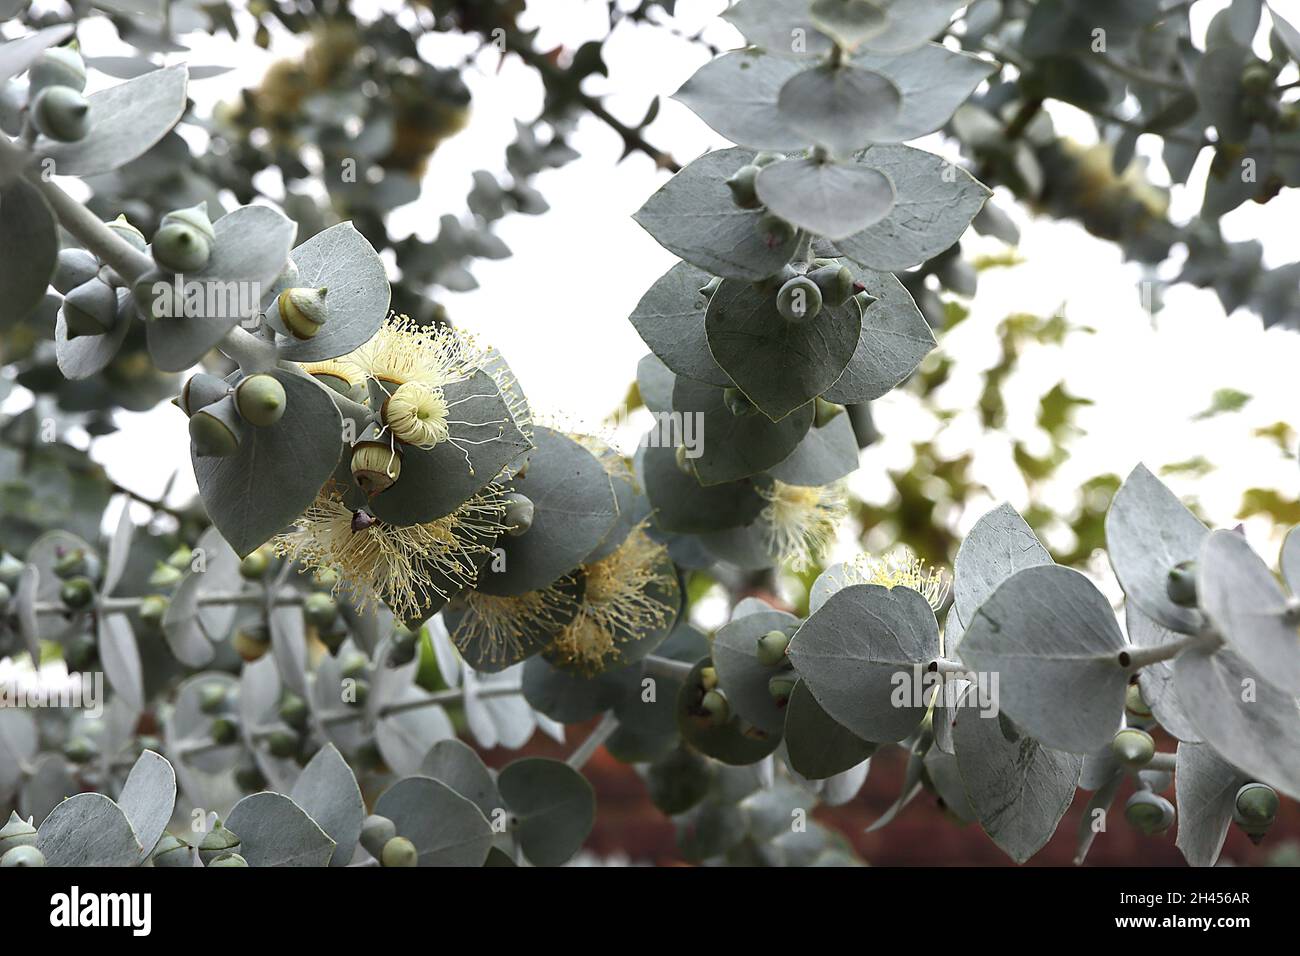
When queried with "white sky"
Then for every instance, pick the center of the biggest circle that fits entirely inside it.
(558, 308)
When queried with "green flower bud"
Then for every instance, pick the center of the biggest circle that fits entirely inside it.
(77, 593)
(224, 730)
(16, 832)
(1134, 703)
(402, 648)
(229, 859)
(251, 644)
(1256, 79)
(302, 311)
(57, 66)
(376, 831)
(799, 300)
(154, 606)
(519, 514)
(10, 570)
(81, 653)
(771, 648)
(767, 159)
(1149, 812)
(1255, 809)
(172, 851)
(333, 639)
(293, 711)
(90, 309)
(213, 698)
(708, 677)
(399, 851)
(73, 268)
(81, 750)
(824, 412)
(742, 189)
(199, 391)
(835, 282)
(179, 247)
(738, 403)
(256, 564)
(216, 429)
(282, 744)
(1288, 118)
(125, 230)
(1181, 584)
(774, 231)
(1133, 748)
(248, 776)
(260, 399)
(61, 113)
(23, 856)
(72, 564)
(216, 842)
(714, 708)
(196, 217)
(319, 609)
(375, 466)
(5, 597)
(164, 576)
(781, 686)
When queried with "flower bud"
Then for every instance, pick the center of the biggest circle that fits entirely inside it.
(824, 412)
(90, 309)
(224, 730)
(774, 231)
(1134, 702)
(302, 311)
(215, 842)
(1150, 813)
(196, 217)
(77, 593)
(153, 607)
(282, 744)
(293, 711)
(741, 184)
(61, 113)
(71, 564)
(81, 653)
(81, 750)
(251, 644)
(399, 851)
(23, 856)
(57, 66)
(360, 692)
(229, 859)
(375, 466)
(260, 399)
(714, 708)
(519, 513)
(738, 403)
(1133, 748)
(73, 267)
(16, 832)
(1181, 584)
(835, 283)
(417, 413)
(771, 648)
(402, 648)
(799, 300)
(164, 576)
(213, 698)
(1256, 79)
(1255, 809)
(781, 686)
(10, 570)
(376, 831)
(767, 158)
(320, 610)
(124, 230)
(708, 677)
(255, 564)
(215, 429)
(249, 776)
(179, 247)
(172, 851)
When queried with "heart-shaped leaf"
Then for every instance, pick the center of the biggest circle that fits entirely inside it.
(839, 106)
(446, 828)
(274, 831)
(554, 807)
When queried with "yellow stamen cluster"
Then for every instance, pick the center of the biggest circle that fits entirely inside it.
(417, 413)
(900, 569)
(502, 625)
(391, 563)
(617, 605)
(402, 352)
(802, 520)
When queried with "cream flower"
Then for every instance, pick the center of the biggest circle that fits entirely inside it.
(417, 413)
(802, 520)
(402, 351)
(900, 569)
(505, 626)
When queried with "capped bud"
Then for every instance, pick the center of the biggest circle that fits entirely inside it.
(124, 230)
(1149, 812)
(356, 666)
(1255, 809)
(738, 403)
(255, 565)
(774, 231)
(376, 831)
(10, 570)
(16, 832)
(216, 429)
(179, 247)
(824, 412)
(293, 711)
(781, 686)
(375, 466)
(1134, 702)
(165, 576)
(519, 513)
(61, 113)
(57, 66)
(199, 391)
(260, 399)
(196, 217)
(767, 159)
(403, 647)
(73, 267)
(714, 708)
(154, 607)
(251, 643)
(81, 749)
(71, 564)
(741, 184)
(1133, 748)
(1181, 584)
(216, 842)
(213, 698)
(835, 282)
(302, 311)
(1256, 79)
(282, 744)
(771, 648)
(319, 609)
(77, 593)
(229, 859)
(81, 653)
(708, 678)
(22, 856)
(224, 730)
(799, 300)
(399, 851)
(172, 851)
(90, 309)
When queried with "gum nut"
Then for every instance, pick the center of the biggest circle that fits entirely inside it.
(10, 570)
(224, 730)
(1256, 806)
(250, 645)
(771, 648)
(81, 653)
(212, 437)
(153, 607)
(212, 698)
(172, 851)
(124, 230)
(260, 399)
(1181, 584)
(399, 851)
(73, 267)
(196, 217)
(781, 686)
(72, 564)
(57, 66)
(715, 708)
(229, 859)
(199, 391)
(16, 832)
(824, 412)
(1150, 813)
(375, 832)
(80, 750)
(799, 300)
(90, 309)
(61, 113)
(282, 744)
(375, 467)
(179, 247)
(164, 576)
(360, 693)
(356, 665)
(1134, 703)
(77, 593)
(302, 311)
(319, 609)
(293, 711)
(23, 856)
(249, 777)
(255, 565)
(1133, 748)
(708, 678)
(519, 513)
(215, 842)
(835, 282)
(774, 231)
(741, 184)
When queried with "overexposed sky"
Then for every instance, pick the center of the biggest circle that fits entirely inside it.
(558, 307)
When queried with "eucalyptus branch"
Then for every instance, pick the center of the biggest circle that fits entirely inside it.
(666, 667)
(453, 695)
(603, 731)
(1135, 658)
(118, 254)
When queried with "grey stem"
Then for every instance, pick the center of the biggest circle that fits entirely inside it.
(106, 245)
(608, 724)
(666, 667)
(450, 696)
(1163, 761)
(1135, 658)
